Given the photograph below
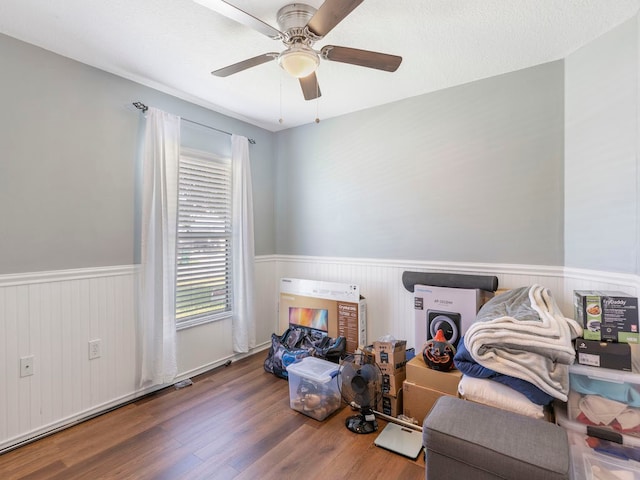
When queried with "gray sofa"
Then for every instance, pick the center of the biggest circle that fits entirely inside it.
(467, 440)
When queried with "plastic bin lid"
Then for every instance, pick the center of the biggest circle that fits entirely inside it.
(313, 368)
(605, 374)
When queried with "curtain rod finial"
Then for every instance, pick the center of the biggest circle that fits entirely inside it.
(140, 106)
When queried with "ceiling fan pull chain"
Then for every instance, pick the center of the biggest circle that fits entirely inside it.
(280, 120)
(317, 102)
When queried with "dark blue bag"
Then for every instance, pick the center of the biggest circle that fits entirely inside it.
(298, 342)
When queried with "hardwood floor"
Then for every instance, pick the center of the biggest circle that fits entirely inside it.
(232, 423)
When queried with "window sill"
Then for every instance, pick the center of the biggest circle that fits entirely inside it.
(201, 321)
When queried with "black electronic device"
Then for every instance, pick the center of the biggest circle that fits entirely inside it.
(449, 280)
(360, 384)
(448, 322)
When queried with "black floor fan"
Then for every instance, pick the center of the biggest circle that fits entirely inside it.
(360, 384)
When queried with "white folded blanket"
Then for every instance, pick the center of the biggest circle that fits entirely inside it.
(603, 411)
(522, 333)
(488, 392)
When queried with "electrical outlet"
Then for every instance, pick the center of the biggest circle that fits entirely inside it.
(26, 366)
(94, 349)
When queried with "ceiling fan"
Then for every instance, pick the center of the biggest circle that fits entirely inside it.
(300, 26)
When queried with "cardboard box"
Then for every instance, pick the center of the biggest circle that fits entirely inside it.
(420, 374)
(452, 309)
(390, 356)
(418, 400)
(609, 316)
(336, 309)
(368, 354)
(390, 405)
(604, 354)
(392, 382)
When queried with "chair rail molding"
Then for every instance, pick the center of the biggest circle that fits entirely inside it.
(29, 278)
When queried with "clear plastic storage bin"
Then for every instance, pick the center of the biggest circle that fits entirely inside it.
(313, 387)
(591, 464)
(606, 398)
(596, 457)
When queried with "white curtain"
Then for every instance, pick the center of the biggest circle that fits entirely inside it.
(244, 323)
(157, 327)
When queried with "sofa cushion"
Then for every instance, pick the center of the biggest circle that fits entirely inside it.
(463, 436)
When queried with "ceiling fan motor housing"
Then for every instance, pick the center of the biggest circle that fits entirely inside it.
(299, 59)
(292, 20)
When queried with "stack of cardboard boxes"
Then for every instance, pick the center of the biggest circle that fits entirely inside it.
(410, 387)
(423, 386)
(453, 310)
(391, 358)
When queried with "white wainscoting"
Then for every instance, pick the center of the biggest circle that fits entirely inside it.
(54, 315)
(390, 305)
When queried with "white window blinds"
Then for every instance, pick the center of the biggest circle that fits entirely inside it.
(203, 267)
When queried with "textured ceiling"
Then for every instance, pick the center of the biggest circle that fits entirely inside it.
(173, 45)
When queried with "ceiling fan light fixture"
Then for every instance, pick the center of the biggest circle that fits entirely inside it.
(299, 61)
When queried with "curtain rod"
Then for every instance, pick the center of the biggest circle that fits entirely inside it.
(144, 108)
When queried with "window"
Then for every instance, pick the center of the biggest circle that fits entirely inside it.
(203, 266)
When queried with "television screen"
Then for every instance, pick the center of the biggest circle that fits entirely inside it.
(316, 318)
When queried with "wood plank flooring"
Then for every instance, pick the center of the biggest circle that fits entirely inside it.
(234, 422)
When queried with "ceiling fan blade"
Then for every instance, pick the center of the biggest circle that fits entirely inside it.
(242, 17)
(248, 63)
(331, 13)
(363, 58)
(310, 87)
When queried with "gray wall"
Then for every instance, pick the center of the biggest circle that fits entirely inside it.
(69, 162)
(601, 159)
(470, 174)
(475, 173)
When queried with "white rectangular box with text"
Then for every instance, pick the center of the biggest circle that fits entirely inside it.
(450, 309)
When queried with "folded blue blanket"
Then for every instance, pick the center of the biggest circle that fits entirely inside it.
(468, 366)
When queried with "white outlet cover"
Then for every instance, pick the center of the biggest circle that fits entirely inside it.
(26, 366)
(94, 349)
